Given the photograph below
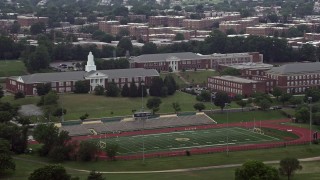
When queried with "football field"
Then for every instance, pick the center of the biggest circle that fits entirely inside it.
(188, 139)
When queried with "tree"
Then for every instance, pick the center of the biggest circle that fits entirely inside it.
(154, 103)
(285, 97)
(142, 90)
(59, 112)
(230, 72)
(112, 150)
(39, 59)
(199, 106)
(264, 104)
(302, 114)
(149, 48)
(204, 96)
(176, 107)
(177, 8)
(50, 172)
(1, 92)
(49, 99)
(276, 92)
(288, 166)
(133, 89)
(81, 87)
(123, 46)
(230, 31)
(171, 84)
(112, 90)
(87, 151)
(19, 95)
(156, 86)
(125, 92)
(314, 93)
(295, 100)
(179, 37)
(221, 99)
(95, 176)
(15, 27)
(6, 161)
(242, 103)
(43, 89)
(37, 28)
(98, 90)
(5, 116)
(252, 170)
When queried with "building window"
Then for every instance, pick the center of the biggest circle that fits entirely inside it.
(61, 83)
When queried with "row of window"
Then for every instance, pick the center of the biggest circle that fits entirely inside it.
(67, 83)
(295, 83)
(225, 83)
(225, 89)
(308, 76)
(297, 90)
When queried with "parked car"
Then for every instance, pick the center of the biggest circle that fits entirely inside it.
(275, 107)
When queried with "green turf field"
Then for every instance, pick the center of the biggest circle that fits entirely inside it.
(186, 139)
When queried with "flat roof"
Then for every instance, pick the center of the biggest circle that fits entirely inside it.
(250, 66)
(235, 79)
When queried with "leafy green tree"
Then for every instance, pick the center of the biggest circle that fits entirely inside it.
(295, 100)
(199, 106)
(133, 89)
(277, 92)
(99, 90)
(302, 114)
(264, 104)
(177, 8)
(112, 90)
(125, 92)
(156, 87)
(49, 99)
(50, 172)
(154, 104)
(95, 176)
(252, 170)
(179, 37)
(19, 95)
(112, 150)
(39, 59)
(242, 103)
(81, 87)
(6, 161)
(107, 38)
(176, 107)
(59, 112)
(314, 93)
(5, 116)
(43, 89)
(149, 48)
(221, 99)
(83, 117)
(285, 97)
(1, 92)
(204, 96)
(230, 72)
(123, 46)
(37, 28)
(230, 31)
(171, 84)
(288, 166)
(307, 52)
(87, 151)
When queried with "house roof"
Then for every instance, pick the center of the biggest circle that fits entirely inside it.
(164, 56)
(235, 79)
(296, 68)
(80, 75)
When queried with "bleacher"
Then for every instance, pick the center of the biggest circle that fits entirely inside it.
(111, 126)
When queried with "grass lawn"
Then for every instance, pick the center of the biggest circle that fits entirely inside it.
(101, 106)
(178, 80)
(198, 77)
(12, 68)
(187, 140)
(310, 169)
(22, 101)
(247, 116)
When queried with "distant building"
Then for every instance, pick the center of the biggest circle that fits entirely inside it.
(26, 21)
(65, 81)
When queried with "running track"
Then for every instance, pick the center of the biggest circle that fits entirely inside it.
(303, 133)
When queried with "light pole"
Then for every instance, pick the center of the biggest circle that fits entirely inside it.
(310, 118)
(226, 105)
(142, 118)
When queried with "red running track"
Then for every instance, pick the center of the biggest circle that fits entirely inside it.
(302, 133)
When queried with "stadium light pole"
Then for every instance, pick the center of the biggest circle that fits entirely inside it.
(226, 105)
(143, 157)
(310, 118)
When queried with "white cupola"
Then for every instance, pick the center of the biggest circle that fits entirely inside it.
(90, 63)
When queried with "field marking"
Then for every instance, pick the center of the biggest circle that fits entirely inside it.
(247, 134)
(261, 134)
(201, 146)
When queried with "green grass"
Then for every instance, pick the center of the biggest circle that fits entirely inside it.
(279, 134)
(186, 140)
(22, 101)
(247, 116)
(310, 169)
(101, 106)
(12, 68)
(199, 77)
(304, 125)
(178, 80)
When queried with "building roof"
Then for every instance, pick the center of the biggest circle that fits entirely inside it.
(296, 68)
(81, 75)
(164, 56)
(235, 79)
(249, 65)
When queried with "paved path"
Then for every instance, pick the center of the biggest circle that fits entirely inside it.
(168, 171)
